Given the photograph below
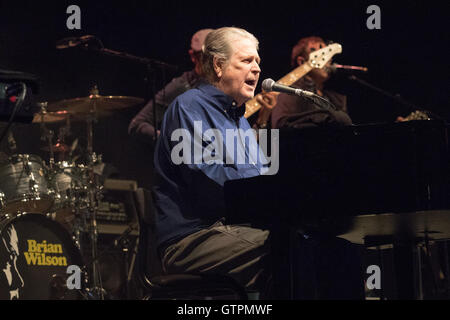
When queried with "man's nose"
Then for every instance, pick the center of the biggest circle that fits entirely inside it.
(256, 68)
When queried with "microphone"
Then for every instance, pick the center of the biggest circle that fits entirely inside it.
(270, 85)
(11, 142)
(336, 66)
(73, 147)
(74, 41)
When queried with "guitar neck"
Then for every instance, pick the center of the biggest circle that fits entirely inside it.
(253, 106)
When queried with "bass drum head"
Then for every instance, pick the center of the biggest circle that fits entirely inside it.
(35, 253)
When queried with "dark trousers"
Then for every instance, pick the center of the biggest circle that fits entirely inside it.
(324, 267)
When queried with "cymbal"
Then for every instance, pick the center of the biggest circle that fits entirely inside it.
(59, 148)
(94, 104)
(50, 117)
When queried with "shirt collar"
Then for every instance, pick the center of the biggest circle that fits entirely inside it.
(226, 102)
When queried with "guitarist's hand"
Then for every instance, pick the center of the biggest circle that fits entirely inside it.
(267, 100)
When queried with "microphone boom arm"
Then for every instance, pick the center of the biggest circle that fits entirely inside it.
(86, 42)
(131, 57)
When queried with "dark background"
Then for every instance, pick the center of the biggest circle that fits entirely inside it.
(407, 56)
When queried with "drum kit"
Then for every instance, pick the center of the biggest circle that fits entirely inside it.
(48, 210)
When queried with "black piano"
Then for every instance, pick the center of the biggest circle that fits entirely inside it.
(370, 184)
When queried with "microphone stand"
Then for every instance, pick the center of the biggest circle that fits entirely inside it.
(150, 64)
(131, 57)
(397, 98)
(87, 45)
(321, 102)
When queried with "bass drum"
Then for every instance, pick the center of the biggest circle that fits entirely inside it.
(35, 255)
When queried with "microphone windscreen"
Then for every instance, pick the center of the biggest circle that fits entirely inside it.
(267, 84)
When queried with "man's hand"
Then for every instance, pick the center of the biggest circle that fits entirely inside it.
(267, 100)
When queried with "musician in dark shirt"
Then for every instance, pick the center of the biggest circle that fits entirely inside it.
(142, 125)
(329, 267)
(299, 112)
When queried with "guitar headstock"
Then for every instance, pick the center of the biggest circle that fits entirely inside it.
(319, 58)
(417, 115)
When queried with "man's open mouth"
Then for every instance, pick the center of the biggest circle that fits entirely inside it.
(251, 83)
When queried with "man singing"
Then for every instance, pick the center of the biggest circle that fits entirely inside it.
(191, 233)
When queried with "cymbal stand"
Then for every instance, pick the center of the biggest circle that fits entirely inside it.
(93, 193)
(47, 134)
(62, 133)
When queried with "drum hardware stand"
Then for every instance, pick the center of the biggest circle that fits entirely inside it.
(93, 195)
(32, 182)
(47, 134)
(63, 131)
(124, 242)
(131, 267)
(78, 228)
(447, 269)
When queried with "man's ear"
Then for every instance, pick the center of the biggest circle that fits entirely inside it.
(191, 54)
(300, 60)
(217, 67)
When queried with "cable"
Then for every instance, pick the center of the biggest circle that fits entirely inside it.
(321, 102)
(18, 104)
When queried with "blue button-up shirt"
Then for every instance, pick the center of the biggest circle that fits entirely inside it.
(189, 187)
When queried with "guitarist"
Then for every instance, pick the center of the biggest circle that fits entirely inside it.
(298, 112)
(335, 263)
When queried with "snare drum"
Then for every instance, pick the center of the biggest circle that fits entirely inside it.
(23, 181)
(35, 253)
